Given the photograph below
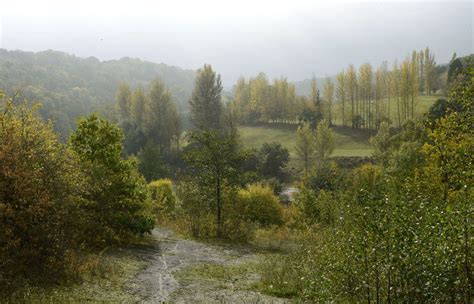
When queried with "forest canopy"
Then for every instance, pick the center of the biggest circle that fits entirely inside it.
(70, 86)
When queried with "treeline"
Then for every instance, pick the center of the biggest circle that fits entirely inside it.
(154, 133)
(396, 231)
(152, 128)
(222, 190)
(360, 98)
(70, 86)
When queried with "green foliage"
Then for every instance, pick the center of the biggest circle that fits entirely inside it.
(197, 217)
(327, 176)
(41, 190)
(205, 103)
(401, 231)
(362, 99)
(160, 116)
(257, 100)
(70, 87)
(305, 147)
(273, 159)
(123, 97)
(324, 141)
(258, 204)
(437, 110)
(118, 205)
(348, 142)
(163, 197)
(320, 207)
(214, 163)
(152, 127)
(151, 163)
(381, 142)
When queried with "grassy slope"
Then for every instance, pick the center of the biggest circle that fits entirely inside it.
(349, 142)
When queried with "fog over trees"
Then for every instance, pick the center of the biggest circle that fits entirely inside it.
(241, 151)
(241, 38)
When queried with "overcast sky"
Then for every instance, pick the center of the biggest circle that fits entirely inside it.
(292, 38)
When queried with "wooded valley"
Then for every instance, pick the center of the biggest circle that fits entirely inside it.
(387, 220)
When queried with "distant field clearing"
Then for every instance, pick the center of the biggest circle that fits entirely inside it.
(348, 142)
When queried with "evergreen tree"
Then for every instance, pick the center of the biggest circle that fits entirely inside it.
(429, 71)
(341, 93)
(328, 99)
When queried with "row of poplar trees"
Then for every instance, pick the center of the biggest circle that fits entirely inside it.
(360, 98)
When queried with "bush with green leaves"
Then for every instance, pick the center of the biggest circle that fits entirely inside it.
(41, 189)
(117, 198)
(273, 158)
(196, 217)
(163, 197)
(326, 176)
(258, 204)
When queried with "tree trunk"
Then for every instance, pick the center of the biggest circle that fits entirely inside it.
(219, 207)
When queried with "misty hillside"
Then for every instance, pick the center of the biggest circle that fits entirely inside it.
(303, 87)
(70, 86)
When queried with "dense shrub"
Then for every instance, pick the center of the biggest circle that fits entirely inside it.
(273, 159)
(258, 204)
(40, 192)
(321, 207)
(163, 197)
(326, 176)
(195, 217)
(244, 211)
(118, 205)
(151, 163)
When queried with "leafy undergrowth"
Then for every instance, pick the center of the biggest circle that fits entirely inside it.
(103, 280)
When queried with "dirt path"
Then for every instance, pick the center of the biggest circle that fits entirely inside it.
(178, 271)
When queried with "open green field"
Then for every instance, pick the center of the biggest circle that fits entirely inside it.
(348, 142)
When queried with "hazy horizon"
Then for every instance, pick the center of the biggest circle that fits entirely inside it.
(242, 38)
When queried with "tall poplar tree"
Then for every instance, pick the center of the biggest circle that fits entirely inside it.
(351, 77)
(324, 141)
(341, 92)
(305, 147)
(206, 106)
(328, 99)
(429, 71)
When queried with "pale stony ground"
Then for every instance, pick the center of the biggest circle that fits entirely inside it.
(165, 278)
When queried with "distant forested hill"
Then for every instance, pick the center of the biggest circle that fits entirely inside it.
(303, 87)
(70, 86)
